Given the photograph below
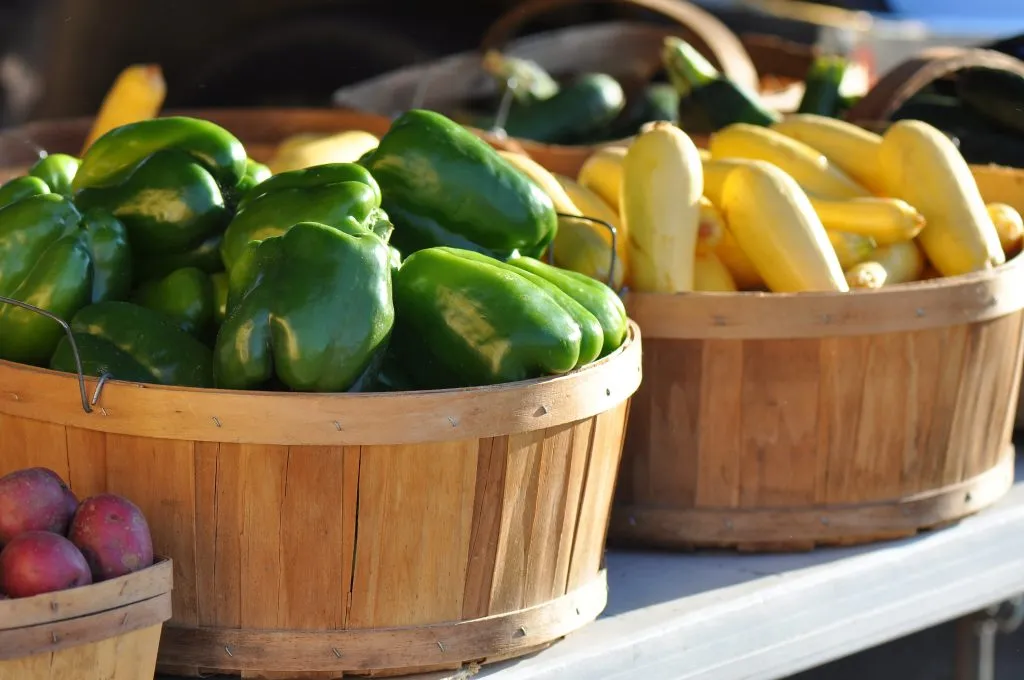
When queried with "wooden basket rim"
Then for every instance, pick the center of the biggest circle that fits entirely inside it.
(96, 598)
(238, 416)
(969, 298)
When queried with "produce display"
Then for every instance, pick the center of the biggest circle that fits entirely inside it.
(415, 264)
(49, 541)
(588, 108)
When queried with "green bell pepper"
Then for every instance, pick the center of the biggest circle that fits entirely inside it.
(21, 187)
(118, 153)
(55, 259)
(185, 295)
(58, 170)
(133, 343)
(464, 322)
(220, 297)
(329, 194)
(255, 173)
(443, 186)
(596, 297)
(169, 203)
(205, 256)
(311, 307)
(591, 332)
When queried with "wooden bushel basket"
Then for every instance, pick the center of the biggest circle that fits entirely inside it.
(772, 421)
(106, 630)
(316, 535)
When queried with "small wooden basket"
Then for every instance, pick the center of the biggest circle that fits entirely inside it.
(106, 630)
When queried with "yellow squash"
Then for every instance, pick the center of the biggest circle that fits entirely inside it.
(712, 227)
(743, 271)
(710, 275)
(309, 150)
(923, 167)
(776, 226)
(586, 247)
(1009, 225)
(602, 174)
(810, 168)
(889, 265)
(852, 149)
(662, 184)
(887, 220)
(851, 249)
(137, 94)
(715, 172)
(579, 245)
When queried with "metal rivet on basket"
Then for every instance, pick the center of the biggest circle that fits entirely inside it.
(337, 653)
(967, 497)
(103, 411)
(826, 318)
(15, 397)
(521, 632)
(920, 312)
(228, 650)
(607, 391)
(542, 410)
(337, 425)
(216, 421)
(440, 645)
(824, 520)
(454, 422)
(53, 636)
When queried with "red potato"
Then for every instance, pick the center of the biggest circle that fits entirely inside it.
(37, 562)
(113, 535)
(34, 499)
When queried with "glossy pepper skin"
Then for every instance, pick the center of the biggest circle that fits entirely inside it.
(310, 308)
(255, 173)
(330, 194)
(134, 343)
(169, 203)
(463, 322)
(185, 295)
(21, 187)
(591, 332)
(53, 257)
(118, 153)
(443, 186)
(596, 297)
(58, 170)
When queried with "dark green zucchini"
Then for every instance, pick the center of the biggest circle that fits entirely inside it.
(821, 86)
(577, 112)
(708, 100)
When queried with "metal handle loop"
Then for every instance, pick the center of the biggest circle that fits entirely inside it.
(614, 255)
(87, 404)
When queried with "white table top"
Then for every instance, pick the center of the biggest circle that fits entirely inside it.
(723, 616)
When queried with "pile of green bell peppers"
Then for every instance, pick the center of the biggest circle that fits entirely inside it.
(176, 259)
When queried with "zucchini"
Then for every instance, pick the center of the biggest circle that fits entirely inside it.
(578, 111)
(821, 86)
(708, 100)
(995, 94)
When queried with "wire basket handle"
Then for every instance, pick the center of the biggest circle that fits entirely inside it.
(87, 403)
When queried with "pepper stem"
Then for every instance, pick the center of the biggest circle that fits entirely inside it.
(687, 68)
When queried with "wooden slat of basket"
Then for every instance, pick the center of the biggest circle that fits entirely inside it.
(381, 648)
